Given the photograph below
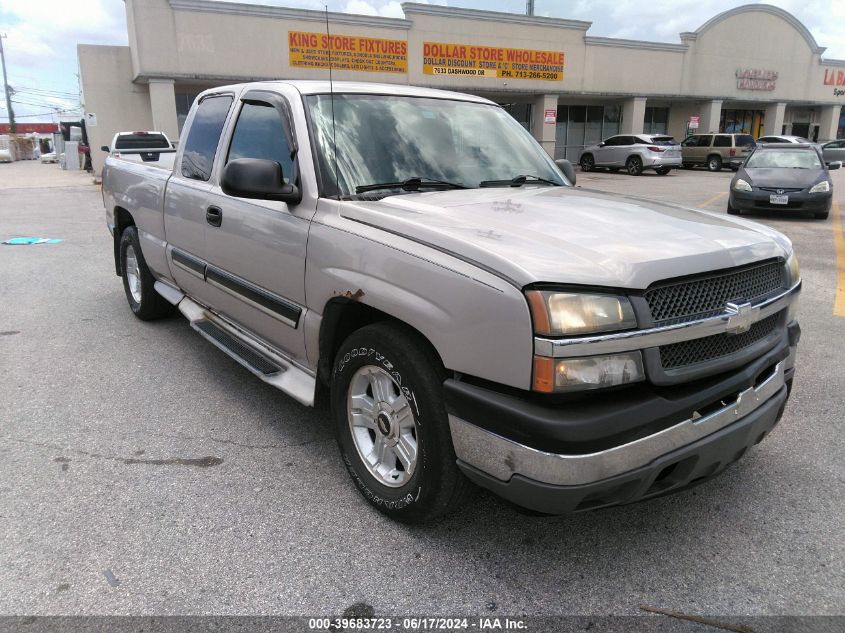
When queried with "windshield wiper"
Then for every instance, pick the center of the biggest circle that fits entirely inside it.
(518, 181)
(412, 184)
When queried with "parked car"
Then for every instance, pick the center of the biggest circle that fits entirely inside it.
(634, 152)
(780, 177)
(716, 151)
(125, 145)
(472, 315)
(786, 138)
(834, 151)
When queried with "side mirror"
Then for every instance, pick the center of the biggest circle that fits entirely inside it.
(258, 178)
(105, 148)
(835, 164)
(567, 169)
(601, 144)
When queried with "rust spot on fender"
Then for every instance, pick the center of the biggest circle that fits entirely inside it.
(352, 296)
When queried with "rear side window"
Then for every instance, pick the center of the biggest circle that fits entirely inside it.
(745, 140)
(203, 137)
(722, 141)
(260, 133)
(141, 140)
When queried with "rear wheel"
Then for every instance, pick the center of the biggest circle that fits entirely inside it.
(391, 423)
(138, 281)
(588, 163)
(663, 170)
(714, 163)
(634, 165)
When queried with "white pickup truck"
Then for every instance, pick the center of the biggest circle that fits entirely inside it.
(473, 315)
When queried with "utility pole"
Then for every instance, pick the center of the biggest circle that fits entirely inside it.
(529, 7)
(12, 125)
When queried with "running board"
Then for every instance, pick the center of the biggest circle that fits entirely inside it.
(266, 363)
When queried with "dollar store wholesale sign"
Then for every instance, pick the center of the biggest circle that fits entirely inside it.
(348, 52)
(461, 60)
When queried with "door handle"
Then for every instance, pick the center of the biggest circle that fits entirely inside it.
(214, 216)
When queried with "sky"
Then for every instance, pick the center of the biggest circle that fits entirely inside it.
(41, 35)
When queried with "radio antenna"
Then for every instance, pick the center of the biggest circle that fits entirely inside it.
(331, 98)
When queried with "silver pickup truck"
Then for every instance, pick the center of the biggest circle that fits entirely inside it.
(471, 315)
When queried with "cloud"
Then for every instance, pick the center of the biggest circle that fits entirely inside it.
(390, 9)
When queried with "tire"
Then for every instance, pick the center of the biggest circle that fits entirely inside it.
(634, 165)
(714, 163)
(588, 163)
(733, 211)
(662, 171)
(397, 381)
(138, 281)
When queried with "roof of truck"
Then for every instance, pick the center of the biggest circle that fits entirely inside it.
(362, 87)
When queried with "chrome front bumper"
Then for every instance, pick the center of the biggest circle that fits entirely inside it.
(502, 458)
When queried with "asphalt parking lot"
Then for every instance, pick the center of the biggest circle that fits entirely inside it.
(107, 505)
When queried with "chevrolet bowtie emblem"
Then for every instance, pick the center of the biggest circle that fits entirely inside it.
(741, 316)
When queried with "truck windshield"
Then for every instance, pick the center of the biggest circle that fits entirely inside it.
(394, 139)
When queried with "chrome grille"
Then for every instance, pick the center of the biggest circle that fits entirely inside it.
(706, 296)
(700, 350)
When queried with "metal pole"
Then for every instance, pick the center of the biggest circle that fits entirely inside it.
(12, 125)
(529, 7)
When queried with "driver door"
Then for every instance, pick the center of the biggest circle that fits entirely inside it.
(255, 249)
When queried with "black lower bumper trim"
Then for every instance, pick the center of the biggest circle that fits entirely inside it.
(674, 471)
(602, 420)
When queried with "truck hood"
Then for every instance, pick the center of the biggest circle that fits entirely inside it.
(570, 234)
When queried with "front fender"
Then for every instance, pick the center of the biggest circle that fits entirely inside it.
(478, 323)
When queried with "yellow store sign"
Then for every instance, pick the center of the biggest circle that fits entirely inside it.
(462, 60)
(348, 52)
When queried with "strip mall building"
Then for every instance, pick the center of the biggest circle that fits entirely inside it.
(754, 69)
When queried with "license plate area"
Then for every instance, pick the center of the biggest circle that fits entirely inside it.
(776, 199)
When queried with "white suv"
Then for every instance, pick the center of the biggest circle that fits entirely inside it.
(634, 153)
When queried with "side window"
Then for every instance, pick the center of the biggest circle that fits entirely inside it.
(704, 140)
(613, 141)
(203, 137)
(625, 140)
(260, 133)
(722, 140)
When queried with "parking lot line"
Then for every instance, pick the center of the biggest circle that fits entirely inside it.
(712, 200)
(839, 243)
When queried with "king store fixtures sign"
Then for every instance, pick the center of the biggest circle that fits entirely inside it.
(755, 79)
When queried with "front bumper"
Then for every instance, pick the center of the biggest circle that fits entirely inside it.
(607, 451)
(758, 200)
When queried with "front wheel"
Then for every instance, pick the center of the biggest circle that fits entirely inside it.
(391, 423)
(138, 281)
(634, 165)
(662, 171)
(587, 162)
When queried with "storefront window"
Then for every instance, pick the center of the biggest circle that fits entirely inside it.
(579, 126)
(184, 101)
(743, 122)
(656, 120)
(841, 132)
(521, 112)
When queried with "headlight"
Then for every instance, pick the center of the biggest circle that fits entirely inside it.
(591, 372)
(821, 187)
(741, 185)
(569, 313)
